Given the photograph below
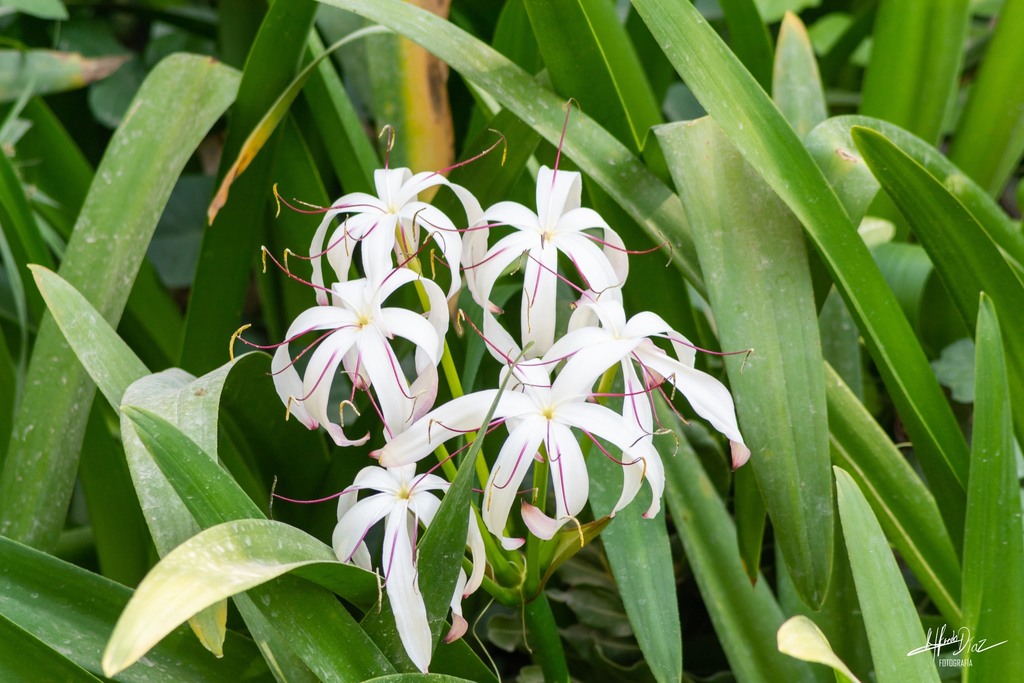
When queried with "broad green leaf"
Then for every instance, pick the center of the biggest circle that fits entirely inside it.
(231, 244)
(51, 599)
(641, 560)
(916, 52)
(778, 388)
(993, 585)
(44, 9)
(47, 71)
(990, 137)
(964, 255)
(751, 518)
(771, 147)
(894, 629)
(746, 616)
(182, 97)
(25, 658)
(832, 147)
(212, 498)
(902, 504)
(215, 564)
(594, 150)
(266, 126)
(112, 366)
(796, 86)
(590, 59)
(800, 638)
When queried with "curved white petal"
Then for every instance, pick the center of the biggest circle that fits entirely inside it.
(356, 522)
(403, 591)
(289, 386)
(707, 396)
(420, 439)
(568, 471)
(590, 261)
(394, 397)
(507, 474)
(540, 295)
(417, 329)
(558, 192)
(539, 524)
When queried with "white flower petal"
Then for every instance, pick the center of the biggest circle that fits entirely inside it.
(507, 474)
(355, 523)
(403, 591)
(568, 471)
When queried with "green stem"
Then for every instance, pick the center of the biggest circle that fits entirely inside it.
(543, 640)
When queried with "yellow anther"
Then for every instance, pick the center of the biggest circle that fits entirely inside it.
(277, 200)
(288, 407)
(579, 530)
(263, 256)
(231, 344)
(286, 252)
(341, 410)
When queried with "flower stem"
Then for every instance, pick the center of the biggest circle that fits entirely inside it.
(533, 544)
(543, 640)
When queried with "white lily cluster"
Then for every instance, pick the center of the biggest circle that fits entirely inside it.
(550, 404)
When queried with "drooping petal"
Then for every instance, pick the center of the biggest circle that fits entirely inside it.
(394, 396)
(507, 474)
(557, 193)
(539, 524)
(459, 623)
(403, 592)
(540, 294)
(706, 395)
(568, 471)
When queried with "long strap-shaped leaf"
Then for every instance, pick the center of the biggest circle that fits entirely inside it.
(173, 110)
(767, 142)
(894, 629)
(595, 151)
(965, 256)
(993, 597)
(760, 288)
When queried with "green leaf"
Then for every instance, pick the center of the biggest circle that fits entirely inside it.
(112, 366)
(771, 147)
(51, 599)
(590, 58)
(48, 71)
(215, 564)
(993, 586)
(990, 138)
(894, 629)
(641, 560)
(800, 638)
(44, 9)
(748, 35)
(964, 255)
(182, 97)
(212, 498)
(916, 52)
(832, 147)
(778, 388)
(26, 658)
(902, 504)
(593, 149)
(24, 242)
(231, 244)
(746, 616)
(268, 124)
(796, 86)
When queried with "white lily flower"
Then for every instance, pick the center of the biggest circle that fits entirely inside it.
(537, 412)
(359, 341)
(560, 225)
(405, 500)
(386, 223)
(628, 343)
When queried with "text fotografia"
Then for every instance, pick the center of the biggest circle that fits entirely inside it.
(948, 647)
